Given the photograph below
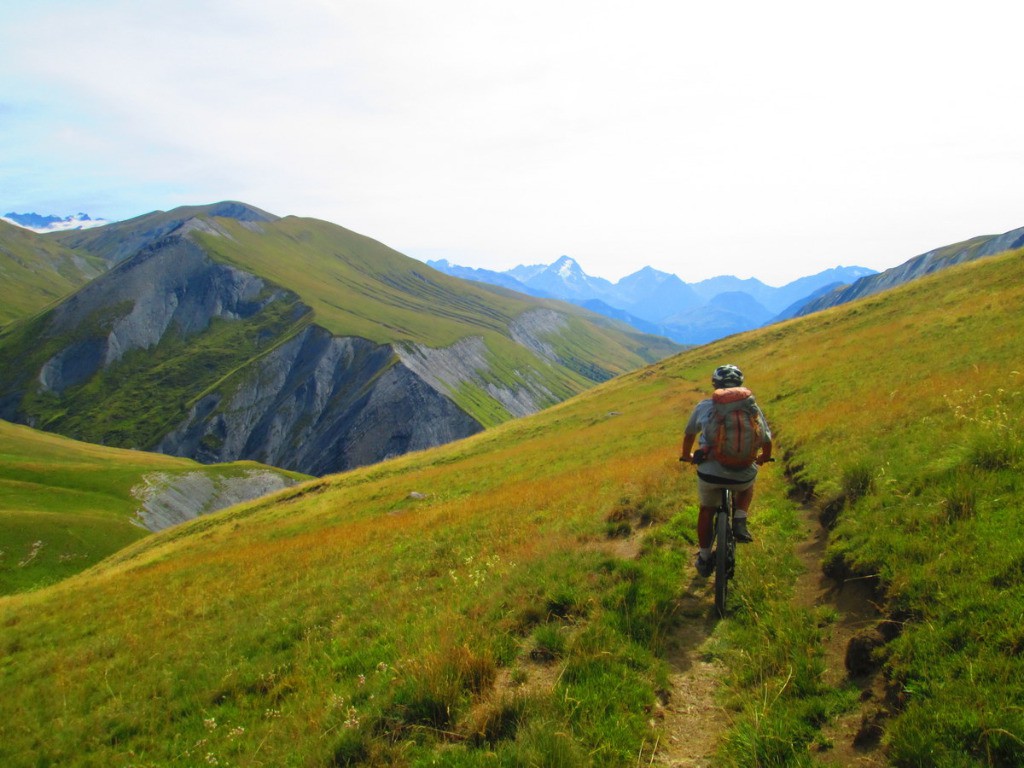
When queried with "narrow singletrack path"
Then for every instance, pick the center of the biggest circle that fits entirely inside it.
(691, 722)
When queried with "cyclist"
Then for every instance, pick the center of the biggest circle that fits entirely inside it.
(712, 475)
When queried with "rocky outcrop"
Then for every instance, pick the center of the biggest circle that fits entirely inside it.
(172, 284)
(118, 242)
(167, 499)
(319, 404)
(311, 402)
(467, 362)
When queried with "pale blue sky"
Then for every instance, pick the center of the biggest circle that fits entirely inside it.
(760, 139)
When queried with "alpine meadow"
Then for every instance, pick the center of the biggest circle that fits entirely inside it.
(526, 597)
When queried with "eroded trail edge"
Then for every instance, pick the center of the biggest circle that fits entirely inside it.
(854, 738)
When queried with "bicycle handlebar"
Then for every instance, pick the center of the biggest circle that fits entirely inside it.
(699, 456)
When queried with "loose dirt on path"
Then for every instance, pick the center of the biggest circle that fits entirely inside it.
(686, 714)
(691, 722)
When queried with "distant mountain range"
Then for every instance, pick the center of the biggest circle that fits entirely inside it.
(43, 224)
(661, 303)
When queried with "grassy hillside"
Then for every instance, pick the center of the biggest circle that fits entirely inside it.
(358, 286)
(353, 286)
(66, 505)
(499, 617)
(36, 271)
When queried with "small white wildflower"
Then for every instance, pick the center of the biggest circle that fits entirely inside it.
(352, 718)
(236, 732)
(210, 723)
(211, 759)
(382, 667)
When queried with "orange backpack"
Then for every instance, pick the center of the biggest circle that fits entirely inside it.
(736, 429)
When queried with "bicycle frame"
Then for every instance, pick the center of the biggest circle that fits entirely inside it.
(725, 551)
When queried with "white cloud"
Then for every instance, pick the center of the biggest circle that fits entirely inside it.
(775, 138)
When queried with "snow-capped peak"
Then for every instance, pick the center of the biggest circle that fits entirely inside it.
(567, 268)
(43, 224)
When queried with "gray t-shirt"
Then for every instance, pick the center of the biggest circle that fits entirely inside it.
(698, 425)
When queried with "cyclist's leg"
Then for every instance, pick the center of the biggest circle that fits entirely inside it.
(705, 522)
(708, 499)
(743, 499)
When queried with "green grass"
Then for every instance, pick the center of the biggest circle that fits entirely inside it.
(65, 505)
(491, 621)
(36, 271)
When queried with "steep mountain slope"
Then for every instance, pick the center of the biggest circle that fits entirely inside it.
(66, 505)
(36, 271)
(225, 333)
(917, 267)
(494, 617)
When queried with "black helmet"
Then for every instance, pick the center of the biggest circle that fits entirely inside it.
(727, 376)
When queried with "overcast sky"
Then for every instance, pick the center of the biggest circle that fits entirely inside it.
(765, 139)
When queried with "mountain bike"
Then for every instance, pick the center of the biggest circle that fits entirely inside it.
(725, 548)
(724, 542)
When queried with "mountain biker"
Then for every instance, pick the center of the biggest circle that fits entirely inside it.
(712, 475)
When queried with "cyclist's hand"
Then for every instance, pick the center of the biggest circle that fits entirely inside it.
(764, 460)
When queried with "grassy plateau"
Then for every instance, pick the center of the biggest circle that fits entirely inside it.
(476, 605)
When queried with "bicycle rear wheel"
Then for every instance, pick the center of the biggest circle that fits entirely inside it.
(722, 560)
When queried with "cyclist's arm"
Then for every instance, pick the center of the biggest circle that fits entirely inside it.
(766, 445)
(687, 452)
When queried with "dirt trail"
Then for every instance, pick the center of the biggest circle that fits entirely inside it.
(687, 716)
(691, 722)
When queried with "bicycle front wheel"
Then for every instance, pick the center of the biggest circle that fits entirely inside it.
(722, 562)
